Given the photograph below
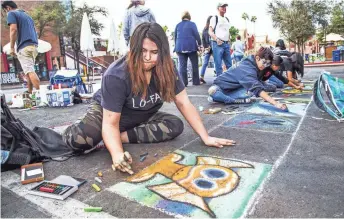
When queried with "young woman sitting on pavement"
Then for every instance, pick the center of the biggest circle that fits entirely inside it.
(126, 109)
(274, 76)
(290, 63)
(238, 84)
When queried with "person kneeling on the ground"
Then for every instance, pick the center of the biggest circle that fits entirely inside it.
(274, 77)
(239, 83)
(126, 109)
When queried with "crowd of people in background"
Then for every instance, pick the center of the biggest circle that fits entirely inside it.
(134, 87)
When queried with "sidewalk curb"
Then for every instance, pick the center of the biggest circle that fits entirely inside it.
(329, 64)
(19, 86)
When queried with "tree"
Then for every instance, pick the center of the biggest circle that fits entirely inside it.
(297, 20)
(48, 16)
(245, 17)
(72, 28)
(253, 20)
(234, 32)
(337, 18)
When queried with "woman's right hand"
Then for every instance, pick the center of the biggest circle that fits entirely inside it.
(281, 106)
(122, 161)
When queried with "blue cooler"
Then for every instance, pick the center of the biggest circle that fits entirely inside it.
(336, 55)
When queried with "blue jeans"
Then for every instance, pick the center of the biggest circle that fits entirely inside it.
(222, 96)
(275, 81)
(183, 62)
(206, 58)
(269, 87)
(221, 53)
(238, 57)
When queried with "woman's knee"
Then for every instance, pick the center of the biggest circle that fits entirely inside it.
(76, 137)
(86, 132)
(176, 127)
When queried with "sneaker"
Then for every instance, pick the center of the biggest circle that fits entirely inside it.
(202, 81)
(210, 99)
(242, 101)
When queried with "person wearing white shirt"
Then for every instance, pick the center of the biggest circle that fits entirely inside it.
(220, 38)
(239, 49)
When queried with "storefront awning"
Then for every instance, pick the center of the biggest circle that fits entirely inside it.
(334, 37)
(43, 47)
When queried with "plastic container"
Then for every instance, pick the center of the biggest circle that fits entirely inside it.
(60, 97)
(336, 55)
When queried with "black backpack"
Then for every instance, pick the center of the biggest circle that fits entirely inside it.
(20, 145)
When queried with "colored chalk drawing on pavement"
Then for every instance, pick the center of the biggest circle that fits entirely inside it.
(295, 110)
(261, 122)
(296, 95)
(291, 100)
(191, 185)
(295, 91)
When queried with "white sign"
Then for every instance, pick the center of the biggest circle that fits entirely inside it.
(9, 78)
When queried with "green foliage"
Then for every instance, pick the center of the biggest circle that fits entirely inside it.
(234, 32)
(49, 15)
(253, 19)
(245, 16)
(73, 26)
(297, 20)
(337, 19)
(165, 28)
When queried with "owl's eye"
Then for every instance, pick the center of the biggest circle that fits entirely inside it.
(214, 173)
(204, 184)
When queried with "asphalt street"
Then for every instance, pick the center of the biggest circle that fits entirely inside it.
(297, 168)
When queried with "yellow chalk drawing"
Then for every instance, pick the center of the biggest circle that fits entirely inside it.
(210, 177)
(295, 91)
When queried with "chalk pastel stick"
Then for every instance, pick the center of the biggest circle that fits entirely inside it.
(96, 187)
(93, 209)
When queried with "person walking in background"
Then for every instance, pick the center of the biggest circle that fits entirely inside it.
(220, 38)
(207, 49)
(23, 33)
(187, 42)
(136, 14)
(238, 49)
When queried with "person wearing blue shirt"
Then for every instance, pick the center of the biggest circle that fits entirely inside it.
(187, 44)
(23, 33)
(238, 49)
(238, 84)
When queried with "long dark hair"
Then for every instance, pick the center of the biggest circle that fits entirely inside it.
(165, 75)
(208, 23)
(265, 53)
(280, 44)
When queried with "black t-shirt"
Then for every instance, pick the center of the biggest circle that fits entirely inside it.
(115, 95)
(287, 65)
(266, 73)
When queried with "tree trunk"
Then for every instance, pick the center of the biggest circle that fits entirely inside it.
(298, 46)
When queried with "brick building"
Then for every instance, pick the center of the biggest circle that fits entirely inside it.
(10, 67)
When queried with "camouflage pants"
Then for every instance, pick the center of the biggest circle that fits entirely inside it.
(86, 132)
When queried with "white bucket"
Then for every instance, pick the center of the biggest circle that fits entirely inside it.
(43, 94)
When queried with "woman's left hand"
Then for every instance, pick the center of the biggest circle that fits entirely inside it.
(218, 142)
